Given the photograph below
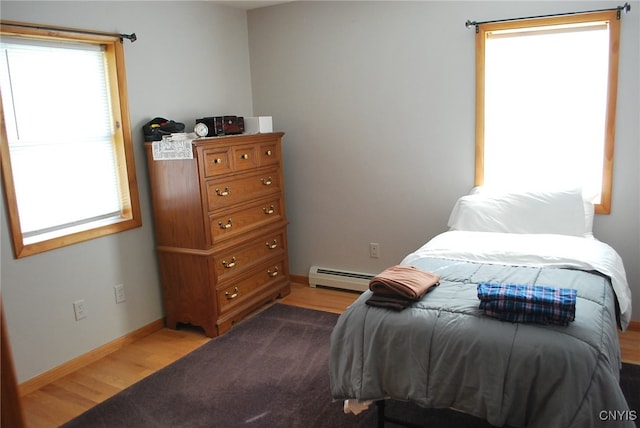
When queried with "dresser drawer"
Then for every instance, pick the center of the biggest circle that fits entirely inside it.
(268, 154)
(223, 192)
(244, 157)
(217, 161)
(238, 259)
(231, 223)
(240, 291)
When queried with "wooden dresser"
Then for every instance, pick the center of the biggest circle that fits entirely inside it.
(220, 229)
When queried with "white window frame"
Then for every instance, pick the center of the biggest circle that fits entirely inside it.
(129, 215)
(611, 18)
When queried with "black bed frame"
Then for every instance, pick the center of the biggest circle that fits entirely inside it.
(382, 417)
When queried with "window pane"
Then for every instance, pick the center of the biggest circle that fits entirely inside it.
(545, 93)
(57, 90)
(58, 185)
(59, 131)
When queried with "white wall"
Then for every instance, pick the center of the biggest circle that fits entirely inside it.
(377, 100)
(190, 60)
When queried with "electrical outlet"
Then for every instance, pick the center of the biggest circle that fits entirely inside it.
(120, 296)
(79, 310)
(374, 250)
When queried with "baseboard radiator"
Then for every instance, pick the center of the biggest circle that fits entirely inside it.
(335, 278)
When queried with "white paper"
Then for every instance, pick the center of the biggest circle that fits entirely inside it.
(175, 146)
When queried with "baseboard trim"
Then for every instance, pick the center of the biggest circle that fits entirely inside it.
(299, 279)
(92, 356)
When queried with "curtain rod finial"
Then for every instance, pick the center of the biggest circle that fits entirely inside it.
(132, 37)
(469, 24)
(626, 8)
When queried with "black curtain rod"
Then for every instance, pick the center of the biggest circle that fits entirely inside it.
(132, 37)
(626, 8)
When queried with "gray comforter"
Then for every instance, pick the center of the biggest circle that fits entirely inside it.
(443, 352)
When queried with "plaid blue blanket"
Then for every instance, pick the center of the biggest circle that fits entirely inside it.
(528, 303)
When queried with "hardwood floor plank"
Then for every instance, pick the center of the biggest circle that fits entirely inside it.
(46, 410)
(104, 371)
(67, 397)
(97, 389)
(630, 346)
(71, 402)
(86, 387)
(324, 299)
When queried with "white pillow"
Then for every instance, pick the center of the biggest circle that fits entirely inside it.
(589, 213)
(556, 212)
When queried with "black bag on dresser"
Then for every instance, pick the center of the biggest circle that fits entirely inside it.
(157, 127)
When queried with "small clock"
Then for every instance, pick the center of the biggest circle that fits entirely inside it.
(201, 129)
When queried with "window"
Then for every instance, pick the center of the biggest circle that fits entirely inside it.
(67, 155)
(545, 103)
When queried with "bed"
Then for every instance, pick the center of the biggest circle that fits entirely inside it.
(443, 351)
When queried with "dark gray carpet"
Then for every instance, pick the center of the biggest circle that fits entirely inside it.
(268, 371)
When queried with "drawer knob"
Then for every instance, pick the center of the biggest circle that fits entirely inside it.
(217, 161)
(273, 245)
(244, 156)
(224, 192)
(269, 211)
(267, 181)
(233, 295)
(268, 153)
(229, 265)
(274, 272)
(225, 226)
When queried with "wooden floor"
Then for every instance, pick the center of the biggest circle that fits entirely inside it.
(73, 394)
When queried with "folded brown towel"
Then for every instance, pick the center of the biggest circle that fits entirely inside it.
(388, 302)
(407, 282)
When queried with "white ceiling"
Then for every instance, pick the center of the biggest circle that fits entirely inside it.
(246, 5)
